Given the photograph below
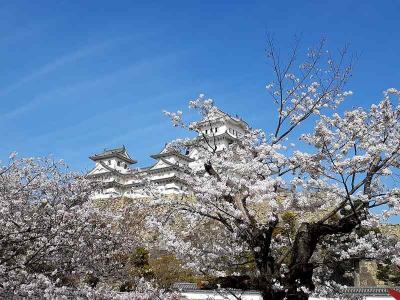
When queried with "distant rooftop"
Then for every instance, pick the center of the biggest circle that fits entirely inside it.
(349, 291)
(166, 152)
(121, 153)
(216, 113)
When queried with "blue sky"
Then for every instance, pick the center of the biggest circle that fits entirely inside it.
(79, 76)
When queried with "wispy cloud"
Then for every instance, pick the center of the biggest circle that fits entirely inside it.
(87, 128)
(65, 91)
(60, 62)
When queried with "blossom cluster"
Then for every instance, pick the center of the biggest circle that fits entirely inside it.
(56, 242)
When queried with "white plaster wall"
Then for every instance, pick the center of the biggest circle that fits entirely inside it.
(113, 164)
(205, 295)
(215, 296)
(171, 159)
(179, 161)
(366, 298)
(162, 175)
(159, 164)
(219, 124)
(171, 188)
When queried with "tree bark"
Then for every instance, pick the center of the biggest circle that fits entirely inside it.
(305, 244)
(301, 269)
(260, 242)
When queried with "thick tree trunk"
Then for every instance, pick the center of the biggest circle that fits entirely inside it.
(301, 270)
(270, 294)
(305, 244)
(260, 243)
(299, 280)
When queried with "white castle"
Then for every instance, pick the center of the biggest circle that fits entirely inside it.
(114, 166)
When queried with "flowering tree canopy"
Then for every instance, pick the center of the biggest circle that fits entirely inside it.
(55, 241)
(285, 208)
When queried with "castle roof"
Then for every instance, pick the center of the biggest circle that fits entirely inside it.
(217, 114)
(171, 152)
(120, 153)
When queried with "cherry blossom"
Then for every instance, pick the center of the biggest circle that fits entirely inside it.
(261, 203)
(56, 242)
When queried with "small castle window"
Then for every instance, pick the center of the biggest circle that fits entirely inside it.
(118, 163)
(109, 162)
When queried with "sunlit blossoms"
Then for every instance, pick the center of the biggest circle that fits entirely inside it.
(290, 214)
(55, 242)
(283, 212)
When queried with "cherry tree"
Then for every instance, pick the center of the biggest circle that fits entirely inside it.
(281, 201)
(55, 241)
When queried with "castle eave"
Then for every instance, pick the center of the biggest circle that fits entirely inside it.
(97, 157)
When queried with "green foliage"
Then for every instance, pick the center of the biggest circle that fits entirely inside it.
(139, 258)
(290, 218)
(389, 273)
(166, 269)
(138, 263)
